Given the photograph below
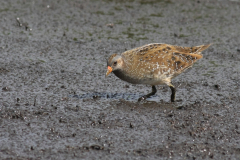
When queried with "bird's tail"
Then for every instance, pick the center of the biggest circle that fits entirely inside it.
(199, 49)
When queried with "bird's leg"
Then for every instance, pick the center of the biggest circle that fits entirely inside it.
(173, 89)
(154, 90)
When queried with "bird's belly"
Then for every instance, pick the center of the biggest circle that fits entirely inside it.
(146, 79)
(153, 81)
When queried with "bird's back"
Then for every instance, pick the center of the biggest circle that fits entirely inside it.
(155, 62)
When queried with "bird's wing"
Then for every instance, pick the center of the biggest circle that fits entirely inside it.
(169, 59)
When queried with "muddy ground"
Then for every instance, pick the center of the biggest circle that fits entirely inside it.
(55, 101)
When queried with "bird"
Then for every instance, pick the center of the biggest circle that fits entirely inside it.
(154, 64)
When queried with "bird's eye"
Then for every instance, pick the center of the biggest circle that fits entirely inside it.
(115, 63)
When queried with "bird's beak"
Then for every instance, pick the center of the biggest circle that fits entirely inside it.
(109, 71)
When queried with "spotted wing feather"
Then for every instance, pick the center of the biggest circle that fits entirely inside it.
(192, 50)
(184, 57)
(168, 59)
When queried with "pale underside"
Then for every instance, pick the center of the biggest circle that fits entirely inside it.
(157, 63)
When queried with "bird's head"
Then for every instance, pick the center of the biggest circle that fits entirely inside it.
(115, 62)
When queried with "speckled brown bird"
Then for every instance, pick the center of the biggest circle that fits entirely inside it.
(154, 64)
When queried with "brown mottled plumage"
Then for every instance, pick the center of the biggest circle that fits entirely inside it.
(154, 64)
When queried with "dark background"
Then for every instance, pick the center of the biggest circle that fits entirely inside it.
(55, 101)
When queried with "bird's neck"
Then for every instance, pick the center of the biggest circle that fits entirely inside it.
(119, 73)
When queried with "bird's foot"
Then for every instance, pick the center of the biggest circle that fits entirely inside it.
(178, 100)
(142, 98)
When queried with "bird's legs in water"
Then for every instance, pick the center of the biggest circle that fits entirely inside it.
(154, 90)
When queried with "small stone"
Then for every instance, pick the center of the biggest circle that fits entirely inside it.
(5, 89)
(216, 86)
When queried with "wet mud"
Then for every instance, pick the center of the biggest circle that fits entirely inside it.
(55, 102)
